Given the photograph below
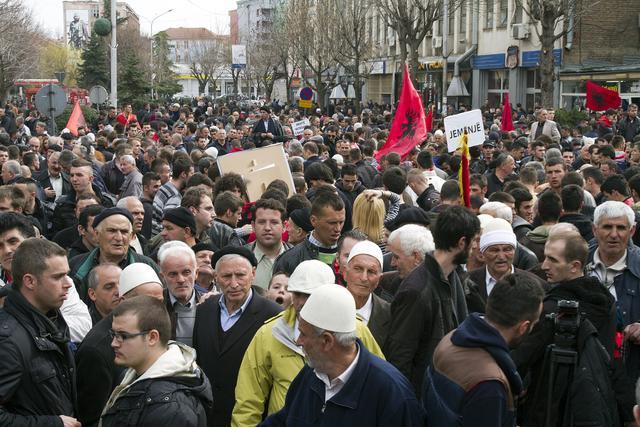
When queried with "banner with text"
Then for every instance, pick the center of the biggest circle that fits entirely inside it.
(455, 125)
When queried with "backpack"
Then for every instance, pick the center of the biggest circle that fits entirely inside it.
(582, 395)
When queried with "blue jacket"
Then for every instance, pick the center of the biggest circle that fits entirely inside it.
(376, 394)
(627, 287)
(454, 395)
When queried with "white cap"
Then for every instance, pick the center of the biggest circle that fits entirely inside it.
(211, 152)
(366, 247)
(338, 158)
(137, 274)
(332, 308)
(357, 125)
(439, 132)
(91, 136)
(310, 275)
(484, 220)
(497, 232)
(65, 130)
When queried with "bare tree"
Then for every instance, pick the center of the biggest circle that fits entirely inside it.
(412, 21)
(19, 38)
(311, 33)
(552, 20)
(207, 61)
(354, 44)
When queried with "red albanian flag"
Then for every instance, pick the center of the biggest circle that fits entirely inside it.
(506, 124)
(600, 98)
(76, 120)
(409, 126)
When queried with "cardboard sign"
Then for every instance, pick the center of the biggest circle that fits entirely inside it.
(298, 127)
(455, 126)
(258, 167)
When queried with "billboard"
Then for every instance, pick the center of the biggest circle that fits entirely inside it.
(239, 56)
(78, 27)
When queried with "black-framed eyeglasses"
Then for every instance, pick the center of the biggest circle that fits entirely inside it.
(123, 336)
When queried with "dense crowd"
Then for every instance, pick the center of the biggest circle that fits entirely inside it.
(140, 286)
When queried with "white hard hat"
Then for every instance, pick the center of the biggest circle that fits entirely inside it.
(366, 247)
(332, 308)
(137, 274)
(310, 275)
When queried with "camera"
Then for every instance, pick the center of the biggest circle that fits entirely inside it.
(566, 321)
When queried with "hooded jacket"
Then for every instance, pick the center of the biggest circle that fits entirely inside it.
(454, 395)
(536, 239)
(582, 223)
(271, 362)
(173, 391)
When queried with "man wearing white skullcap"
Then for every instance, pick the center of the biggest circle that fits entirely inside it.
(97, 374)
(262, 382)
(363, 273)
(342, 381)
(498, 247)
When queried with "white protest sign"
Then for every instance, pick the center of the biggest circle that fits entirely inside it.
(455, 126)
(298, 127)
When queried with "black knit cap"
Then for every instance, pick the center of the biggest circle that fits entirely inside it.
(182, 217)
(109, 212)
(238, 250)
(302, 218)
(410, 215)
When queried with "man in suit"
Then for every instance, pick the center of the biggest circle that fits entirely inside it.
(544, 127)
(266, 129)
(225, 325)
(54, 182)
(363, 272)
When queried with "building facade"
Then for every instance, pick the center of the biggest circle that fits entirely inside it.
(189, 46)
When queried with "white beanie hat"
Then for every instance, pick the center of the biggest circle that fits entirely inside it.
(332, 308)
(484, 220)
(211, 152)
(137, 274)
(497, 232)
(310, 275)
(366, 247)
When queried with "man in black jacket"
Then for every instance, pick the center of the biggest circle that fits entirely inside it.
(430, 302)
(566, 254)
(266, 129)
(36, 364)
(97, 373)
(162, 374)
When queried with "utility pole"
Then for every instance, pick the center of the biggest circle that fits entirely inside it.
(114, 57)
(445, 54)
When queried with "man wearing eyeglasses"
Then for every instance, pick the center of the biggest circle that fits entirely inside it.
(161, 373)
(97, 373)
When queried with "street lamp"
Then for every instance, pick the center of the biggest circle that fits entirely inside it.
(151, 37)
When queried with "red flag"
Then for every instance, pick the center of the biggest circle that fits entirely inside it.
(408, 128)
(463, 173)
(600, 98)
(506, 124)
(429, 119)
(76, 119)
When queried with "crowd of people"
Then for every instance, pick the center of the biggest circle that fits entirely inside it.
(140, 286)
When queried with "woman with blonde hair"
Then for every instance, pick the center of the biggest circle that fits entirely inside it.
(370, 214)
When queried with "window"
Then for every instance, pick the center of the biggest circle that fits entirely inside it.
(488, 17)
(498, 86)
(463, 19)
(533, 88)
(503, 13)
(452, 21)
(518, 12)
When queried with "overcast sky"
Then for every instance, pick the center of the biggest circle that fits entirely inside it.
(186, 13)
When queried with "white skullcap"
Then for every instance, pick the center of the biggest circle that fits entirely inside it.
(137, 274)
(91, 136)
(332, 308)
(439, 133)
(357, 125)
(366, 247)
(65, 130)
(497, 232)
(211, 152)
(484, 220)
(310, 275)
(338, 158)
